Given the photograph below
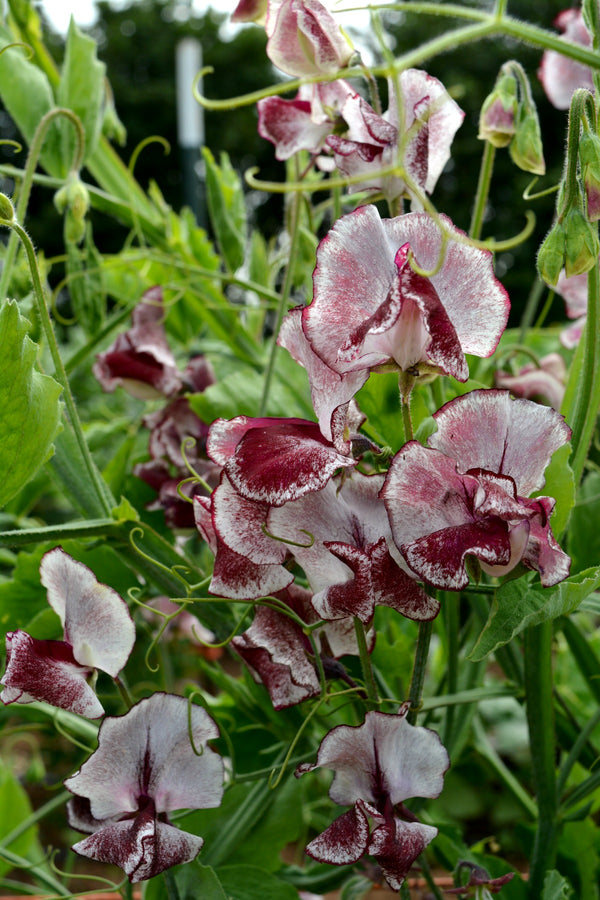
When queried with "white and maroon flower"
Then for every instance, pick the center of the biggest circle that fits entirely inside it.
(250, 11)
(544, 383)
(278, 653)
(372, 310)
(140, 360)
(98, 634)
(379, 765)
(305, 39)
(144, 768)
(560, 76)
(274, 460)
(574, 291)
(420, 143)
(304, 122)
(467, 493)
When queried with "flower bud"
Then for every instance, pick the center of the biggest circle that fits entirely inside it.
(581, 243)
(73, 200)
(305, 39)
(7, 210)
(498, 113)
(551, 255)
(589, 158)
(526, 147)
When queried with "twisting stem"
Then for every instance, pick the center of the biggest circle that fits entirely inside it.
(420, 665)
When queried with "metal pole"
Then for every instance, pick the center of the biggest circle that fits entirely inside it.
(190, 127)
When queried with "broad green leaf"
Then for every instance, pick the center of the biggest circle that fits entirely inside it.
(14, 809)
(240, 394)
(517, 605)
(560, 484)
(193, 881)
(81, 89)
(584, 533)
(252, 883)
(73, 477)
(556, 887)
(26, 93)
(227, 208)
(356, 888)
(29, 405)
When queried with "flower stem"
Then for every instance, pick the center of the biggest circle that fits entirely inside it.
(365, 662)
(450, 607)
(483, 190)
(419, 667)
(286, 291)
(540, 720)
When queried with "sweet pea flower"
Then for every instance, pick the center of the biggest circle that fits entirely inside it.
(279, 654)
(304, 122)
(305, 39)
(544, 383)
(250, 11)
(420, 142)
(480, 883)
(560, 76)
(574, 291)
(466, 493)
(98, 634)
(378, 765)
(145, 767)
(140, 360)
(372, 311)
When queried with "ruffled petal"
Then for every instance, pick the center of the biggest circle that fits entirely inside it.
(488, 429)
(95, 618)
(47, 671)
(344, 842)
(396, 845)
(142, 847)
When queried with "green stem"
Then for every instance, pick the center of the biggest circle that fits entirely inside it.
(286, 291)
(531, 306)
(485, 749)
(27, 182)
(36, 872)
(582, 398)
(365, 662)
(450, 608)
(415, 692)
(575, 752)
(483, 190)
(100, 487)
(540, 720)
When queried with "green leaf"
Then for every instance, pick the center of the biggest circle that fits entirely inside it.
(584, 534)
(252, 883)
(86, 285)
(560, 484)
(26, 93)
(227, 209)
(29, 405)
(193, 880)
(517, 605)
(14, 809)
(240, 394)
(81, 89)
(556, 887)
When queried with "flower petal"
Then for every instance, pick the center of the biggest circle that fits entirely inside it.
(344, 841)
(142, 847)
(147, 753)
(47, 671)
(96, 620)
(396, 845)
(383, 757)
(487, 429)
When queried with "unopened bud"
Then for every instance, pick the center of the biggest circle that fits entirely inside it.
(73, 200)
(7, 210)
(497, 117)
(526, 147)
(581, 243)
(589, 158)
(552, 254)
